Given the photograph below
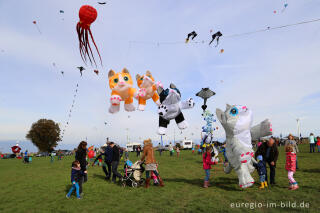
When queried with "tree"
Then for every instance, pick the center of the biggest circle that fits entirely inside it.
(44, 134)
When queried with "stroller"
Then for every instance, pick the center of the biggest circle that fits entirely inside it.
(132, 174)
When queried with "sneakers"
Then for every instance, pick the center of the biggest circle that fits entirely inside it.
(67, 196)
(295, 186)
(205, 184)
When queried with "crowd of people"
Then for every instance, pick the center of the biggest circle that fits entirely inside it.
(266, 154)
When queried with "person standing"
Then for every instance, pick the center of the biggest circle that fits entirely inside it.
(312, 142)
(108, 153)
(159, 149)
(178, 151)
(270, 153)
(138, 151)
(292, 142)
(81, 154)
(26, 159)
(115, 162)
(318, 143)
(76, 174)
(291, 167)
(151, 164)
(206, 164)
(171, 149)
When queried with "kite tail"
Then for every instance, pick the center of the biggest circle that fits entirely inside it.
(95, 46)
(80, 42)
(87, 37)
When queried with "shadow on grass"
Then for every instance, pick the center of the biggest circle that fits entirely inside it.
(311, 170)
(221, 182)
(99, 176)
(68, 187)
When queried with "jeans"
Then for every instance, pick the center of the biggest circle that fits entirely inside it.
(107, 172)
(272, 173)
(207, 171)
(312, 147)
(74, 187)
(262, 178)
(318, 148)
(115, 172)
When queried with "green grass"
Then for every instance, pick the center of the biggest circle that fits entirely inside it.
(42, 186)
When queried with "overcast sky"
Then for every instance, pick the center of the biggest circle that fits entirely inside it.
(275, 73)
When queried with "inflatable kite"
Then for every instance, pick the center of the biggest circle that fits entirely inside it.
(90, 154)
(16, 149)
(205, 94)
(236, 121)
(121, 86)
(87, 15)
(209, 118)
(193, 34)
(148, 89)
(170, 108)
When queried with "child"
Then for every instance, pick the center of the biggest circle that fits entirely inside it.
(193, 150)
(75, 177)
(262, 171)
(178, 151)
(206, 157)
(291, 167)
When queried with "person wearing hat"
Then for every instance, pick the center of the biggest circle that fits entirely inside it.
(260, 165)
(294, 144)
(151, 164)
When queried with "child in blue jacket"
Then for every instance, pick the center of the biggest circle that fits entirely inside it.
(262, 171)
(76, 173)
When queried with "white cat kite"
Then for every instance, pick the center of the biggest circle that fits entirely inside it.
(237, 121)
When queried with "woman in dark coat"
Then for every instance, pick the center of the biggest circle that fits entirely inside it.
(81, 154)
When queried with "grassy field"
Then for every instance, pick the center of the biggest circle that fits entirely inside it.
(42, 186)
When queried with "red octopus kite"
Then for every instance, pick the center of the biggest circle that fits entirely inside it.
(87, 15)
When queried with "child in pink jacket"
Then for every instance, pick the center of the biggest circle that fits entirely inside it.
(291, 167)
(207, 162)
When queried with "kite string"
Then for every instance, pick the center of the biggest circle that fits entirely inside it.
(70, 111)
(227, 36)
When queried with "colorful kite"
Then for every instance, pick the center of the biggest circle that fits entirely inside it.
(16, 149)
(87, 15)
(96, 72)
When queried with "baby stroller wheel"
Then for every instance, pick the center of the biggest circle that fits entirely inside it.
(134, 184)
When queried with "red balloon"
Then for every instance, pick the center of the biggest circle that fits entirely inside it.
(91, 154)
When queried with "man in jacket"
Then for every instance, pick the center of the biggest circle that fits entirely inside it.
(115, 162)
(108, 153)
(269, 152)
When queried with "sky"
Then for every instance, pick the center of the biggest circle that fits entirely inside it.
(274, 73)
